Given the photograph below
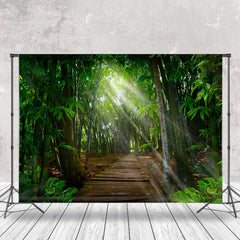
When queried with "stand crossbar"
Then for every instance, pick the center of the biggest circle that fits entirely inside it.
(12, 188)
(228, 189)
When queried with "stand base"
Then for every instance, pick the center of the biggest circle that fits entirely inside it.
(230, 199)
(10, 200)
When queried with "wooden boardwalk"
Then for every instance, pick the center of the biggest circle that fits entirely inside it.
(118, 221)
(125, 181)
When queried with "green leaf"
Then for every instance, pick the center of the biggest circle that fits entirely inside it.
(59, 115)
(193, 147)
(212, 191)
(200, 95)
(208, 190)
(69, 147)
(145, 146)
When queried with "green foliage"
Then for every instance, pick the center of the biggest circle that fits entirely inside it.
(208, 190)
(25, 182)
(54, 190)
(197, 146)
(67, 147)
(147, 145)
(205, 91)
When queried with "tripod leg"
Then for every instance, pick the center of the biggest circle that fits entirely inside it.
(37, 207)
(235, 192)
(5, 192)
(230, 194)
(12, 197)
(32, 203)
(11, 191)
(225, 189)
(203, 207)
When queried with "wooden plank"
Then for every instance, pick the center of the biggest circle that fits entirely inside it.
(16, 212)
(126, 180)
(236, 185)
(123, 180)
(118, 192)
(114, 172)
(114, 176)
(70, 222)
(3, 190)
(214, 226)
(230, 208)
(3, 185)
(22, 226)
(164, 225)
(222, 212)
(120, 184)
(187, 222)
(94, 222)
(44, 227)
(4, 203)
(115, 198)
(139, 225)
(117, 222)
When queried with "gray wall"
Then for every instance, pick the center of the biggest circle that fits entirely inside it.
(124, 26)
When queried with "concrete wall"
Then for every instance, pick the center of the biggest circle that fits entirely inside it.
(108, 26)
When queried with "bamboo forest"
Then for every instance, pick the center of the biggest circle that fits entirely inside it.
(120, 128)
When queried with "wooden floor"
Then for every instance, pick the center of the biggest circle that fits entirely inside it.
(112, 221)
(125, 181)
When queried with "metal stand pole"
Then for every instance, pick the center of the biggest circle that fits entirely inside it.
(12, 188)
(229, 189)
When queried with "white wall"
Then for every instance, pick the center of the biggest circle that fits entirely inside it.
(118, 26)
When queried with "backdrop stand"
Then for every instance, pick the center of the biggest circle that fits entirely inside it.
(12, 188)
(229, 189)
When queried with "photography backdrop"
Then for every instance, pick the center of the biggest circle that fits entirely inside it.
(118, 27)
(120, 128)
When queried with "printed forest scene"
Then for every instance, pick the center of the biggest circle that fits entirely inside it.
(120, 128)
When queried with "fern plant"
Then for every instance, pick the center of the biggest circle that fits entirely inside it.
(55, 190)
(208, 190)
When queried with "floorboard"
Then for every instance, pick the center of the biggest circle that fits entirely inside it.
(22, 226)
(3, 204)
(70, 222)
(225, 215)
(93, 225)
(44, 227)
(163, 223)
(121, 221)
(15, 213)
(211, 222)
(188, 223)
(139, 224)
(3, 186)
(117, 222)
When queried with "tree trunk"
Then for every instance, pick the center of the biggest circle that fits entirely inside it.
(184, 165)
(80, 136)
(36, 152)
(46, 151)
(91, 116)
(71, 165)
(166, 168)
